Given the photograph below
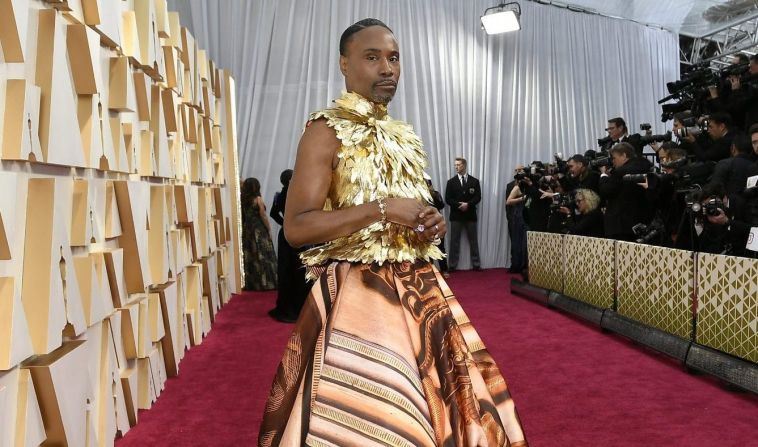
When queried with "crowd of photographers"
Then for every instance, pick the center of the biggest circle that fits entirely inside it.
(692, 188)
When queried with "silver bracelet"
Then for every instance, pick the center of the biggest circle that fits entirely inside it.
(382, 210)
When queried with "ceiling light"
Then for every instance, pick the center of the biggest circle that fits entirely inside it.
(502, 18)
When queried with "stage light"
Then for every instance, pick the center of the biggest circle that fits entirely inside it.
(502, 18)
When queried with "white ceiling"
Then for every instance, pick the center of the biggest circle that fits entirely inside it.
(694, 18)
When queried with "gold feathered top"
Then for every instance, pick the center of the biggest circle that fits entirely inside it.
(378, 157)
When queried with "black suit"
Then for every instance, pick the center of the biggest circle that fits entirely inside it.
(634, 139)
(456, 192)
(627, 202)
(732, 173)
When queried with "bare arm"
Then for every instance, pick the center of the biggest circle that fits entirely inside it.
(515, 197)
(305, 221)
(262, 211)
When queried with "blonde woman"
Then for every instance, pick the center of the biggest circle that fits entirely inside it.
(588, 219)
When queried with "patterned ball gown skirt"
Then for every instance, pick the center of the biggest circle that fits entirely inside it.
(385, 356)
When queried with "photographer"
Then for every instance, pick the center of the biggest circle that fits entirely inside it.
(751, 110)
(689, 132)
(666, 193)
(588, 218)
(732, 173)
(618, 133)
(725, 230)
(734, 97)
(533, 190)
(627, 204)
(718, 146)
(580, 175)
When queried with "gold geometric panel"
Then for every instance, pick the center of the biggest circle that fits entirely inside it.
(655, 286)
(545, 260)
(727, 313)
(590, 270)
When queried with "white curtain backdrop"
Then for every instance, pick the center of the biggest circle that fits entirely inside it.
(495, 100)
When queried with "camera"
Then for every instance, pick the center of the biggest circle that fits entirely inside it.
(601, 161)
(602, 142)
(562, 200)
(646, 127)
(647, 139)
(711, 207)
(635, 178)
(646, 233)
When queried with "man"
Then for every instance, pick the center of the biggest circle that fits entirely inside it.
(719, 142)
(751, 113)
(581, 176)
(618, 133)
(463, 193)
(626, 202)
(376, 345)
(725, 227)
(732, 173)
(754, 140)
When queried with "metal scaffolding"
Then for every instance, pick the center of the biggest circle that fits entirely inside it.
(715, 48)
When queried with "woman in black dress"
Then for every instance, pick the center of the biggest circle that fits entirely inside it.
(258, 250)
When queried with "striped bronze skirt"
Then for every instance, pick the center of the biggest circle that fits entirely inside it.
(385, 356)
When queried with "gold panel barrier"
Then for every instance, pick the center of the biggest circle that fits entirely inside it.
(545, 260)
(727, 312)
(590, 270)
(655, 287)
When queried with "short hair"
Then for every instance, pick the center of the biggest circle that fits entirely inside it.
(462, 160)
(579, 158)
(754, 58)
(742, 57)
(677, 153)
(624, 148)
(742, 144)
(753, 128)
(285, 177)
(358, 26)
(721, 118)
(668, 145)
(590, 197)
(619, 122)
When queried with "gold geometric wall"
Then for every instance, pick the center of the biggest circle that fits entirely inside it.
(545, 260)
(727, 308)
(119, 212)
(656, 286)
(590, 270)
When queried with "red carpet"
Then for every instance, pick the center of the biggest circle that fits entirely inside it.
(573, 385)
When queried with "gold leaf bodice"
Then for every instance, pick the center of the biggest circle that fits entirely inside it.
(378, 157)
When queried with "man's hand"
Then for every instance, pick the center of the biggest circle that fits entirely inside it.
(603, 169)
(434, 223)
(644, 184)
(719, 219)
(463, 206)
(404, 212)
(735, 81)
(564, 210)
